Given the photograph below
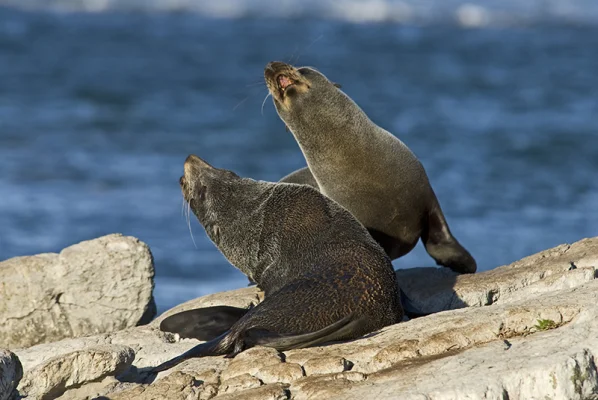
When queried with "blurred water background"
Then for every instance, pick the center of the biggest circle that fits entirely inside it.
(101, 101)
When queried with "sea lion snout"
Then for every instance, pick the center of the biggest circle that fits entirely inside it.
(194, 165)
(275, 67)
(192, 184)
(283, 80)
(190, 165)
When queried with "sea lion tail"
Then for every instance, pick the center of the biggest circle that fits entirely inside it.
(344, 328)
(442, 245)
(215, 347)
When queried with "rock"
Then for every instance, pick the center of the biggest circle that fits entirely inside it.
(251, 361)
(326, 365)
(460, 354)
(325, 386)
(101, 285)
(534, 338)
(176, 386)
(432, 290)
(283, 373)
(239, 382)
(58, 374)
(274, 391)
(11, 373)
(150, 345)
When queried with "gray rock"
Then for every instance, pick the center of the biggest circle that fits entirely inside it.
(326, 365)
(101, 285)
(566, 266)
(542, 307)
(11, 373)
(176, 386)
(56, 375)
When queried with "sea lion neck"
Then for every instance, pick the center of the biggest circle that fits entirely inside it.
(332, 131)
(237, 220)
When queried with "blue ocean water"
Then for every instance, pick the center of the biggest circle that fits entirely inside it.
(98, 111)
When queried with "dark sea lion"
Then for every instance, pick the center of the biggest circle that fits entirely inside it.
(324, 278)
(362, 166)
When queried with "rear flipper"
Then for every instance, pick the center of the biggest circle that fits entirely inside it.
(231, 343)
(443, 247)
(215, 347)
(203, 323)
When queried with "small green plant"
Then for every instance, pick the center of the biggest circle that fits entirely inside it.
(545, 324)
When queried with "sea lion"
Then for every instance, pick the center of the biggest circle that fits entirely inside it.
(324, 278)
(363, 167)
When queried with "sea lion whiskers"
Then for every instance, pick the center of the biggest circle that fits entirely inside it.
(261, 82)
(187, 198)
(264, 102)
(189, 224)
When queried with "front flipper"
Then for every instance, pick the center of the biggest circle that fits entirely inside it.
(203, 323)
(442, 245)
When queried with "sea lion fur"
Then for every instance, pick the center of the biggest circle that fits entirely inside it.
(324, 277)
(362, 166)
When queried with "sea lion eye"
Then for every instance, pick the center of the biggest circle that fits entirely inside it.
(201, 193)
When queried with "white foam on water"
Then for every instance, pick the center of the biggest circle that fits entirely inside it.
(469, 14)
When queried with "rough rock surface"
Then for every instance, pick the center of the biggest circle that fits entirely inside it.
(438, 289)
(55, 376)
(529, 333)
(11, 373)
(101, 285)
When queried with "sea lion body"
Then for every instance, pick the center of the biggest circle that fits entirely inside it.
(324, 277)
(362, 166)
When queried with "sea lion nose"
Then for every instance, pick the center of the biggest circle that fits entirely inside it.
(191, 163)
(195, 165)
(275, 66)
(192, 158)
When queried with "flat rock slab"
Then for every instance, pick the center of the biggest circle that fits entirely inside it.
(101, 285)
(56, 375)
(432, 290)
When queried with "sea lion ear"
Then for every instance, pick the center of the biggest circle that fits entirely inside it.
(338, 85)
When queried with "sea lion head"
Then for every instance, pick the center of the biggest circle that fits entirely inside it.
(226, 205)
(295, 88)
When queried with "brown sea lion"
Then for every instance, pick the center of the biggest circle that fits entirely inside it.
(363, 167)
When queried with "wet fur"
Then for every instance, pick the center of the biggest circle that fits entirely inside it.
(324, 278)
(363, 167)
